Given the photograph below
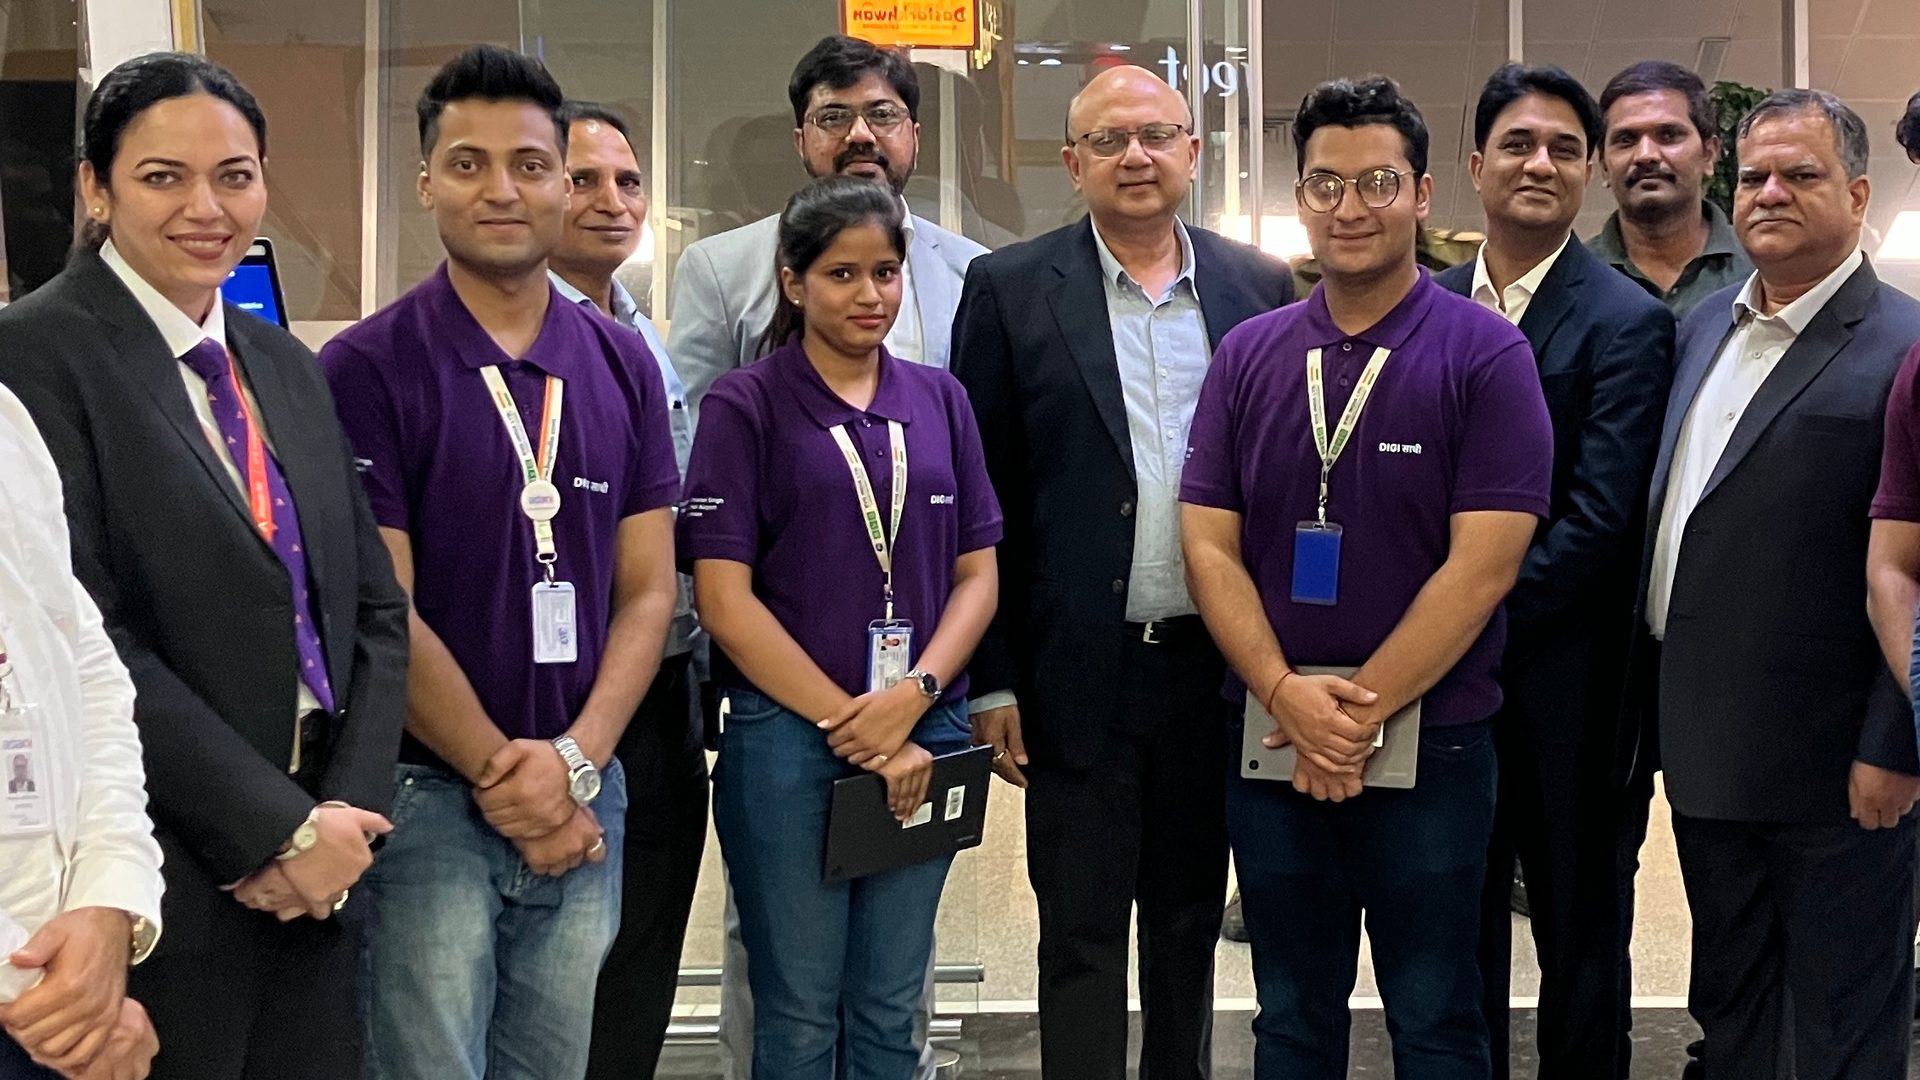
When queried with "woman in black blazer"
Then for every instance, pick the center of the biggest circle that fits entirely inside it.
(217, 520)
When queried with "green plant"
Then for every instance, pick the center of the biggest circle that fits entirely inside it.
(1731, 101)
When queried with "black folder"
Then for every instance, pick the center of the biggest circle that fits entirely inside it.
(863, 836)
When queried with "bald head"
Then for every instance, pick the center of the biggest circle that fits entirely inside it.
(1126, 86)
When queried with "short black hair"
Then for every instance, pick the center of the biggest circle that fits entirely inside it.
(1907, 129)
(839, 62)
(138, 85)
(1351, 103)
(1515, 81)
(1649, 76)
(574, 112)
(489, 73)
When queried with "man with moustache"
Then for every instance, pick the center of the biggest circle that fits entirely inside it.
(855, 112)
(516, 452)
(1788, 748)
(1659, 148)
(666, 768)
(1097, 685)
(1605, 354)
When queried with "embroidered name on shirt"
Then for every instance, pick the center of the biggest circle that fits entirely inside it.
(1399, 448)
(941, 500)
(581, 482)
(702, 505)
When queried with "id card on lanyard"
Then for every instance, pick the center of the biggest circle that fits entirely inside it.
(889, 640)
(555, 633)
(26, 780)
(1316, 543)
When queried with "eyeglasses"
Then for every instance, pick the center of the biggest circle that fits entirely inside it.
(837, 120)
(1322, 191)
(1112, 142)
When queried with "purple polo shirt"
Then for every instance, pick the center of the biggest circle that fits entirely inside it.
(1898, 498)
(767, 486)
(438, 463)
(1456, 423)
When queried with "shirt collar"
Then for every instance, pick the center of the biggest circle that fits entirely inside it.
(1801, 312)
(625, 311)
(891, 400)
(1528, 283)
(457, 329)
(906, 220)
(1391, 332)
(1611, 247)
(180, 332)
(1112, 271)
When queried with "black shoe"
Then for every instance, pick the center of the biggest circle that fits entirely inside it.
(1696, 1061)
(1517, 899)
(1234, 926)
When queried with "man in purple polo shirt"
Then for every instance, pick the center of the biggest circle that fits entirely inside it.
(516, 451)
(1376, 535)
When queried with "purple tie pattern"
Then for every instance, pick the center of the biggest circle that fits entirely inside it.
(209, 361)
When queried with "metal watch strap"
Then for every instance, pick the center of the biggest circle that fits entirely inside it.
(570, 753)
(921, 679)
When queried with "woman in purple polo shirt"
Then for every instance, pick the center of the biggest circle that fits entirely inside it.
(845, 604)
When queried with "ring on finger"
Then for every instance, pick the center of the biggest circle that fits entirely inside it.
(599, 846)
(342, 902)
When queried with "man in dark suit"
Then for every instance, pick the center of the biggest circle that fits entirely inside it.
(1605, 350)
(1083, 352)
(1790, 754)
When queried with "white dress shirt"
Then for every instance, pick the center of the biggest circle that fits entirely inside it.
(181, 335)
(1512, 301)
(1751, 353)
(99, 850)
(908, 338)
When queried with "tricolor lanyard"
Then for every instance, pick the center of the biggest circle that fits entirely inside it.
(539, 498)
(259, 494)
(1317, 408)
(870, 507)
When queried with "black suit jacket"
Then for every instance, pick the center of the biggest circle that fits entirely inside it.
(195, 600)
(1605, 350)
(1033, 346)
(1770, 683)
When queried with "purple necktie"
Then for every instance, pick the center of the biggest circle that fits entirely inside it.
(209, 361)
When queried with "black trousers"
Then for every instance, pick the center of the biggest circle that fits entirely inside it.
(236, 995)
(1557, 812)
(1146, 826)
(666, 833)
(1802, 947)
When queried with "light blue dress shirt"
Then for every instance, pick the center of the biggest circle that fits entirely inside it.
(1163, 352)
(680, 633)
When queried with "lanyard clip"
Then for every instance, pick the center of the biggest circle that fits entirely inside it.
(1324, 470)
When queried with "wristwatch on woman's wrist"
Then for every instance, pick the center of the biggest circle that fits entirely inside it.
(928, 683)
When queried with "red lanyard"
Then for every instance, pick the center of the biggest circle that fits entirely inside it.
(259, 494)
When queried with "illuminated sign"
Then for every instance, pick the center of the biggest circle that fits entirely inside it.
(920, 24)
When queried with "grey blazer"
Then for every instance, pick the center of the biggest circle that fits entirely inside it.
(724, 289)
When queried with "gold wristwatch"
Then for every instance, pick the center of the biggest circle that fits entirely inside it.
(145, 937)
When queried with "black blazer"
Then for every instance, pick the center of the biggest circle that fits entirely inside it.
(1605, 350)
(1770, 683)
(1033, 347)
(195, 600)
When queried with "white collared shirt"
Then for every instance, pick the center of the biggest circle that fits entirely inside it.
(100, 851)
(1751, 353)
(1512, 301)
(908, 338)
(181, 335)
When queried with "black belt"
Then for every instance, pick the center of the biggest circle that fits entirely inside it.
(1179, 630)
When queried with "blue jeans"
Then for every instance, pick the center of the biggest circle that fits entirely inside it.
(1410, 862)
(477, 968)
(836, 969)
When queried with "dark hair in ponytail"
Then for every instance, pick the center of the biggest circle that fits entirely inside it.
(814, 216)
(138, 85)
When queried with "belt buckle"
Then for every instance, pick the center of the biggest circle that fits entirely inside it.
(1146, 632)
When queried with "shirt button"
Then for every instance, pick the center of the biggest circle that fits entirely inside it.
(1347, 347)
(1343, 380)
(866, 421)
(1126, 508)
(1119, 586)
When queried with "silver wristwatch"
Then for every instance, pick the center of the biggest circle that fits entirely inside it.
(583, 780)
(928, 682)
